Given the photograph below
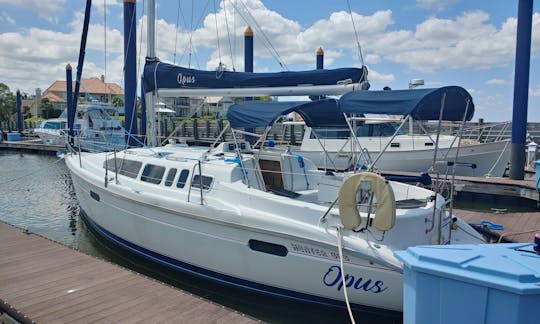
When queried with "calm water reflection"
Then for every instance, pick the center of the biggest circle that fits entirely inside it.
(36, 193)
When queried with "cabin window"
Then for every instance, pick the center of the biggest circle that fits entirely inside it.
(152, 173)
(52, 125)
(330, 133)
(206, 182)
(378, 130)
(394, 145)
(428, 144)
(125, 167)
(170, 177)
(182, 178)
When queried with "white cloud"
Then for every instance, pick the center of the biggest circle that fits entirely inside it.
(98, 5)
(34, 58)
(47, 10)
(497, 82)
(376, 77)
(373, 59)
(469, 41)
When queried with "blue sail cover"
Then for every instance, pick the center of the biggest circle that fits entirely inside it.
(421, 104)
(321, 113)
(170, 76)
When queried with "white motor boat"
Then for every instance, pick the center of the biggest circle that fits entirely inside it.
(356, 132)
(94, 129)
(409, 153)
(52, 131)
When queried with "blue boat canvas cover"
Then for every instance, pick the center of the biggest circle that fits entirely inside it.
(158, 75)
(422, 104)
(320, 113)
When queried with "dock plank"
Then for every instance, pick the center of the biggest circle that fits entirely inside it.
(512, 222)
(51, 283)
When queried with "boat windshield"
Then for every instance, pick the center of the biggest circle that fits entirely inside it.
(385, 129)
(98, 114)
(54, 125)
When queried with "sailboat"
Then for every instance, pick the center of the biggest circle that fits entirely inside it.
(272, 224)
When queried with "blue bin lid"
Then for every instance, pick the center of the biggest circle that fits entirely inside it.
(513, 267)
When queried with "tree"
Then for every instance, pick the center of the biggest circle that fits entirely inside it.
(7, 103)
(117, 101)
(47, 109)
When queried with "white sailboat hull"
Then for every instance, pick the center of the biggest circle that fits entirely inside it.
(245, 236)
(210, 247)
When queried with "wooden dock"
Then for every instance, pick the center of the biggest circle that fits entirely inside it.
(494, 186)
(33, 144)
(518, 227)
(45, 282)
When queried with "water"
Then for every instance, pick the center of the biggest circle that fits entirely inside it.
(36, 193)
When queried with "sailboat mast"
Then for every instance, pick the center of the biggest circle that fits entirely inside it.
(151, 52)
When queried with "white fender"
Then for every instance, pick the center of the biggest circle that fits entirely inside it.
(385, 215)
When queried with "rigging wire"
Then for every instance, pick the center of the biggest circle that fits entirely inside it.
(176, 30)
(234, 27)
(191, 35)
(228, 34)
(217, 36)
(266, 41)
(105, 40)
(355, 33)
(190, 38)
(141, 41)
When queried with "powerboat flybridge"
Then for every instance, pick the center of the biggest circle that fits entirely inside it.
(267, 221)
(95, 129)
(367, 129)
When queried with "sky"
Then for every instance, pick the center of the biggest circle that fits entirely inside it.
(469, 43)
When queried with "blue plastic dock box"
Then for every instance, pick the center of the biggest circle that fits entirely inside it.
(14, 137)
(485, 283)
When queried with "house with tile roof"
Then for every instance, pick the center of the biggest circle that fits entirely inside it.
(92, 90)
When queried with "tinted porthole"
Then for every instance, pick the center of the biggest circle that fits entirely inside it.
(129, 168)
(170, 177)
(206, 182)
(152, 173)
(182, 178)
